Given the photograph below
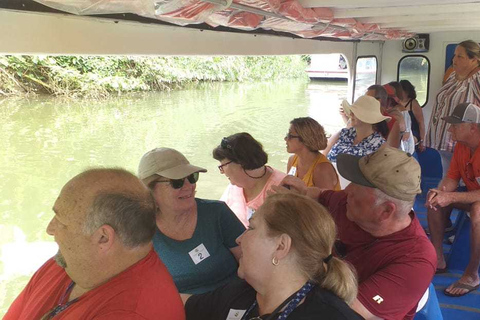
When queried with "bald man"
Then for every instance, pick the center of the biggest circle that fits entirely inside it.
(105, 267)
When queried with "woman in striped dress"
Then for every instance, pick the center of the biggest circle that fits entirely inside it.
(463, 85)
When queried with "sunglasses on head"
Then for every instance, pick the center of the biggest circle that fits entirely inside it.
(225, 144)
(178, 183)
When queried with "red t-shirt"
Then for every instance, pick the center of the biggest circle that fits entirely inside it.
(143, 291)
(393, 271)
(465, 166)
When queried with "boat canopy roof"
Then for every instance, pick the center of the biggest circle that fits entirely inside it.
(331, 19)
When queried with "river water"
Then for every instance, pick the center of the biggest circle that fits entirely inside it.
(46, 141)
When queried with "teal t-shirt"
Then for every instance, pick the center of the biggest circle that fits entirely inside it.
(203, 262)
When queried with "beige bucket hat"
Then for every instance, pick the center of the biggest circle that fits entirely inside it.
(165, 162)
(366, 109)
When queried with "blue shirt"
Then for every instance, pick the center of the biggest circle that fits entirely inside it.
(206, 269)
(345, 144)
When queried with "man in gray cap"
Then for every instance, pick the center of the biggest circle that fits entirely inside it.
(465, 130)
(378, 232)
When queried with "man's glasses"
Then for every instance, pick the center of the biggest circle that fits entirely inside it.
(289, 136)
(178, 183)
(220, 167)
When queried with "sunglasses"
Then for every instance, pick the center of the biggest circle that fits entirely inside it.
(178, 183)
(289, 136)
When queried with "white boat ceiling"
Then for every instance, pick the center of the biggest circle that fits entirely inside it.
(340, 19)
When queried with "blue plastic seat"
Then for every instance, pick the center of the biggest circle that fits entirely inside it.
(431, 309)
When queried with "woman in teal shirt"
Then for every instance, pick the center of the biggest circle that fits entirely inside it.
(195, 238)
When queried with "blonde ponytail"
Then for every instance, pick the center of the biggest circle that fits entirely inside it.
(340, 279)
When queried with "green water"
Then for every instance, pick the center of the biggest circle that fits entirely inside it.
(46, 141)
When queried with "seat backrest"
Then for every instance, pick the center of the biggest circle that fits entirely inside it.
(428, 306)
(430, 162)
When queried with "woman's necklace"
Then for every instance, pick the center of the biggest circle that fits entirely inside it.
(291, 302)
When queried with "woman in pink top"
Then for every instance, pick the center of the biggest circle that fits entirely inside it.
(243, 161)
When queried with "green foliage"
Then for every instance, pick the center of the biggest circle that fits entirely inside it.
(84, 76)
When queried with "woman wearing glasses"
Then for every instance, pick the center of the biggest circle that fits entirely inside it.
(243, 162)
(305, 138)
(287, 268)
(195, 238)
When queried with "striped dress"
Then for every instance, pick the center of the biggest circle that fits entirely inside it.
(451, 94)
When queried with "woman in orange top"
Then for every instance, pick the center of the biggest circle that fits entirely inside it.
(305, 138)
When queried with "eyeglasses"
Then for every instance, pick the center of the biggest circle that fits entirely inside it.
(289, 136)
(220, 167)
(178, 183)
(470, 174)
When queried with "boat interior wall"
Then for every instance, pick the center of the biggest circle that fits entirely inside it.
(51, 33)
(392, 53)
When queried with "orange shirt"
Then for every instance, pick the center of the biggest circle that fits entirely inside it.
(465, 166)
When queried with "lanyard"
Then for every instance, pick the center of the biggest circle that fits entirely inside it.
(291, 302)
(61, 304)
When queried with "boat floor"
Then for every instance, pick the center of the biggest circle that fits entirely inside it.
(466, 307)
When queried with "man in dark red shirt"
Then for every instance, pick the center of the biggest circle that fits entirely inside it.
(378, 232)
(465, 129)
(105, 267)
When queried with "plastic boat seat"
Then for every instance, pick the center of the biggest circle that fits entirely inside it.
(428, 307)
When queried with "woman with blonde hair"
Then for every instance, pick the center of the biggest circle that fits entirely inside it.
(287, 268)
(463, 85)
(305, 138)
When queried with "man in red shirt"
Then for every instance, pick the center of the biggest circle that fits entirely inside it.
(465, 129)
(105, 267)
(378, 232)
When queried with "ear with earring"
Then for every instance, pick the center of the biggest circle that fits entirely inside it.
(275, 261)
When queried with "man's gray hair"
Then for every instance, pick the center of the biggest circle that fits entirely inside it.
(403, 206)
(132, 218)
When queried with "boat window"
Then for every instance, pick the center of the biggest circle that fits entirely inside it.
(365, 75)
(416, 69)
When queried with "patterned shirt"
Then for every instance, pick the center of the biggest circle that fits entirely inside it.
(451, 94)
(345, 144)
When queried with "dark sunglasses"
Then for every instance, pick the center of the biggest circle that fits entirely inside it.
(289, 136)
(178, 183)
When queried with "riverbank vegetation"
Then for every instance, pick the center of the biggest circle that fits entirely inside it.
(95, 77)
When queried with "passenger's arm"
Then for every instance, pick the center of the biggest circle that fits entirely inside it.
(325, 176)
(358, 307)
(441, 197)
(396, 288)
(236, 252)
(331, 142)
(393, 139)
(298, 186)
(418, 113)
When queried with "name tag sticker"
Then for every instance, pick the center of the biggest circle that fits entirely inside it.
(235, 314)
(199, 254)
